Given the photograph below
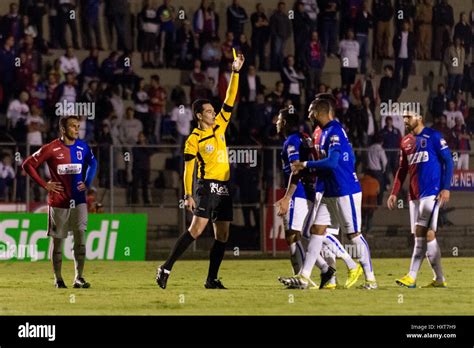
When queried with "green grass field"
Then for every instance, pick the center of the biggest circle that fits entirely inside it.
(129, 288)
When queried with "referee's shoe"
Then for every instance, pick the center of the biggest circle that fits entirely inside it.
(214, 284)
(162, 277)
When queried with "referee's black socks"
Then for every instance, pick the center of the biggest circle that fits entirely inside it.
(183, 242)
(216, 255)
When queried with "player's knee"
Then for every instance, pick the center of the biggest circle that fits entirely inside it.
(292, 236)
(430, 235)
(353, 235)
(318, 229)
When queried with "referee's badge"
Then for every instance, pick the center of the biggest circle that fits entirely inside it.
(423, 143)
(209, 148)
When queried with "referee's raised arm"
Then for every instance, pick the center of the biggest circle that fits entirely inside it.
(233, 87)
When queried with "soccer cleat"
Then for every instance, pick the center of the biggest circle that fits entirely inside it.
(59, 284)
(369, 285)
(297, 282)
(80, 283)
(352, 276)
(330, 286)
(214, 284)
(326, 277)
(407, 282)
(162, 277)
(436, 284)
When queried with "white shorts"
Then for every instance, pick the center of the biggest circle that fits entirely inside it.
(345, 212)
(298, 217)
(424, 212)
(62, 220)
(333, 228)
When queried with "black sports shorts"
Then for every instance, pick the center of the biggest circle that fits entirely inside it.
(214, 200)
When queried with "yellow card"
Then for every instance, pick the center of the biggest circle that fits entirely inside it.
(234, 53)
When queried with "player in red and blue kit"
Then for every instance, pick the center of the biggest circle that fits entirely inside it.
(72, 166)
(426, 156)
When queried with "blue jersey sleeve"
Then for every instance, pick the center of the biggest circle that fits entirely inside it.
(91, 166)
(293, 148)
(334, 142)
(442, 150)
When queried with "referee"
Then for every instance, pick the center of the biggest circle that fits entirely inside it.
(207, 145)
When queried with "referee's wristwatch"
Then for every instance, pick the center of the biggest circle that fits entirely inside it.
(187, 196)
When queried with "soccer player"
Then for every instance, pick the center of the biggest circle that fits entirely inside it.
(341, 202)
(300, 199)
(426, 156)
(213, 201)
(72, 166)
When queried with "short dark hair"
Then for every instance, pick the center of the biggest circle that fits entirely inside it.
(291, 118)
(324, 102)
(197, 107)
(63, 120)
(389, 67)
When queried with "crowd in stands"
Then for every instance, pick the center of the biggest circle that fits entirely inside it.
(169, 37)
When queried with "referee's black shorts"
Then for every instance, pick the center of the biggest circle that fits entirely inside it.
(214, 200)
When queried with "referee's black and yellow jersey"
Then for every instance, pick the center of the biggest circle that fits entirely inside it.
(209, 146)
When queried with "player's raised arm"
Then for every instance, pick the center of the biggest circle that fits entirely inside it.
(233, 87)
(398, 180)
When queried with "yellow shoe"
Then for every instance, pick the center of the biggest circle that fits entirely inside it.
(436, 284)
(407, 282)
(329, 286)
(353, 275)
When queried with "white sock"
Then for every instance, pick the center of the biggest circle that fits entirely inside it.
(433, 253)
(362, 248)
(297, 256)
(337, 248)
(330, 259)
(419, 251)
(322, 264)
(314, 250)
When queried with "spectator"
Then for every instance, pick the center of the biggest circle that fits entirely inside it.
(23, 73)
(51, 86)
(18, 111)
(65, 8)
(463, 31)
(7, 174)
(142, 108)
(68, 90)
(11, 24)
(451, 114)
(91, 200)
(205, 23)
(211, 57)
(391, 136)
(277, 97)
(7, 70)
(157, 105)
(109, 68)
(423, 20)
(245, 49)
(53, 22)
(227, 55)
(292, 79)
(404, 51)
(33, 56)
(104, 142)
(367, 126)
(407, 10)
(118, 11)
(130, 127)
(199, 82)
(389, 88)
(182, 116)
(328, 17)
(461, 138)
(36, 126)
(37, 91)
(141, 169)
(224, 80)
(236, 18)
(166, 14)
(461, 104)
(35, 10)
(370, 191)
(349, 50)
(69, 62)
(148, 23)
(315, 58)
(383, 13)
(280, 31)
(311, 8)
(185, 45)
(443, 21)
(260, 36)
(441, 126)
(90, 24)
(439, 102)
(301, 32)
(377, 164)
(364, 22)
(90, 67)
(250, 87)
(454, 58)
(368, 88)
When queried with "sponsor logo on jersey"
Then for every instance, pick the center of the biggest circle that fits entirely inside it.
(209, 148)
(334, 139)
(57, 148)
(70, 168)
(79, 154)
(218, 189)
(423, 143)
(291, 150)
(418, 157)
